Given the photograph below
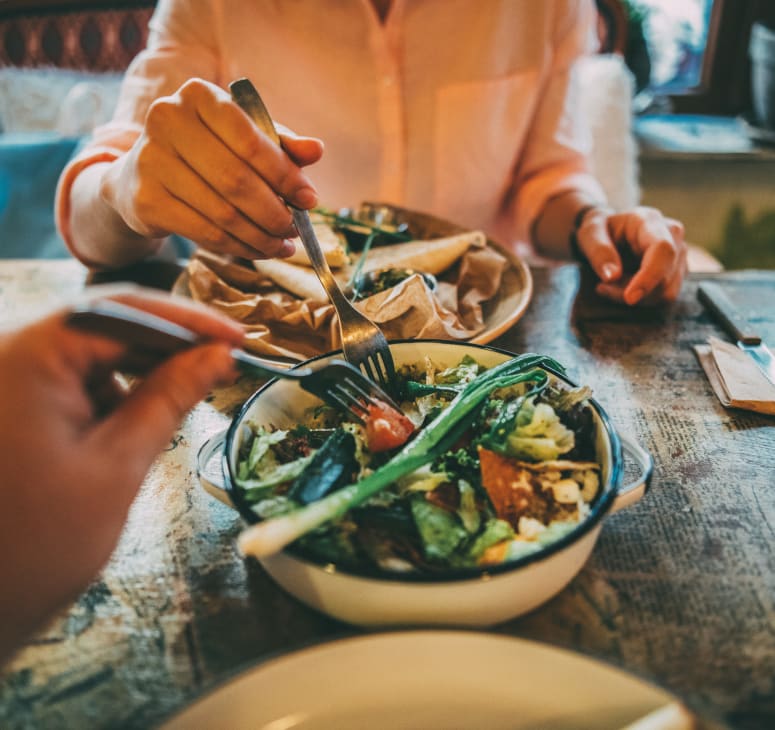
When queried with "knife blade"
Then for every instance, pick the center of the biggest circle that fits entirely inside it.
(716, 301)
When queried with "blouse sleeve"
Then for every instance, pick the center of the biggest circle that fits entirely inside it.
(554, 159)
(182, 44)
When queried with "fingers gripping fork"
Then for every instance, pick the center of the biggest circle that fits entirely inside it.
(363, 343)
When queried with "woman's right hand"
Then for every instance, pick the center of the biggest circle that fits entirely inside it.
(203, 170)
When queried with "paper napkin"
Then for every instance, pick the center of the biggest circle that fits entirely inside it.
(736, 379)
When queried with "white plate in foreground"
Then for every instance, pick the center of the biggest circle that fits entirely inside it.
(429, 680)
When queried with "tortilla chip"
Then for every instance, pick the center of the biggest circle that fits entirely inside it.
(557, 465)
(509, 487)
(432, 256)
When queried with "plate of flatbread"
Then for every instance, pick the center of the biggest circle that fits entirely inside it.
(481, 288)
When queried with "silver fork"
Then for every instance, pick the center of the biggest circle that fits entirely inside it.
(153, 339)
(363, 343)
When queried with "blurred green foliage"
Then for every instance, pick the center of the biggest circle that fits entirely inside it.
(748, 244)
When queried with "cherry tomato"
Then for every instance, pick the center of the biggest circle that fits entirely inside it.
(386, 428)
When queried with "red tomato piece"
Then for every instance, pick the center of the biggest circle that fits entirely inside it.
(386, 428)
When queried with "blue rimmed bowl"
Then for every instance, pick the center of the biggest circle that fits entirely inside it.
(459, 597)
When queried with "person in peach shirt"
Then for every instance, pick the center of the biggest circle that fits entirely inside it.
(465, 110)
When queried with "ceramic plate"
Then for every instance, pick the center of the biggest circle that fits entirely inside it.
(431, 680)
(500, 313)
(516, 289)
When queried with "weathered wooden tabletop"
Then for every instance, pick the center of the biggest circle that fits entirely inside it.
(679, 589)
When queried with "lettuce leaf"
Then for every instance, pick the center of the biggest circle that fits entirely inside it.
(495, 531)
(440, 530)
(255, 487)
(539, 434)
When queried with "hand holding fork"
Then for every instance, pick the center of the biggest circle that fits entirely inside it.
(363, 343)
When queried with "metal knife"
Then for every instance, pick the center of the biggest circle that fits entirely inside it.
(721, 307)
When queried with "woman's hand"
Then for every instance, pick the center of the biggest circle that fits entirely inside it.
(203, 170)
(76, 447)
(639, 255)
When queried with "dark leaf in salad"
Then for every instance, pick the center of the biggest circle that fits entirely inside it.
(332, 466)
(462, 463)
(335, 546)
(580, 420)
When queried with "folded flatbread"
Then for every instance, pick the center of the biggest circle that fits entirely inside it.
(432, 256)
(285, 310)
(299, 280)
(331, 244)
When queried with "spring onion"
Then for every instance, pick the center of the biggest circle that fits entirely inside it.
(271, 536)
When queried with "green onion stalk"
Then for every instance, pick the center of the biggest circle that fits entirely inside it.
(272, 535)
(345, 221)
(356, 275)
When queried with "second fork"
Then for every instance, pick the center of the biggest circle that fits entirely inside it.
(152, 338)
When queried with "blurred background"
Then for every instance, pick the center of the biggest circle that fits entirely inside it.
(678, 100)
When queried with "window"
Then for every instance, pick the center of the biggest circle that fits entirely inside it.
(697, 51)
(676, 33)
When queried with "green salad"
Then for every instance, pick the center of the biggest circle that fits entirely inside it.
(480, 467)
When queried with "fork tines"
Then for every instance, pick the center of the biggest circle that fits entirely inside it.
(380, 369)
(353, 397)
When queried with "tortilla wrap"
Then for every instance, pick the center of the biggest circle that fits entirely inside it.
(433, 256)
(299, 280)
(331, 244)
(285, 311)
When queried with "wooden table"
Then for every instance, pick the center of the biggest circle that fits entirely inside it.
(679, 589)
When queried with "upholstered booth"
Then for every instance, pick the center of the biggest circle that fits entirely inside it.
(60, 69)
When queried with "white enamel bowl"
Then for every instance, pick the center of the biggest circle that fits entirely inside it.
(470, 597)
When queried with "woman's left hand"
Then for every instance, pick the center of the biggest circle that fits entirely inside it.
(639, 255)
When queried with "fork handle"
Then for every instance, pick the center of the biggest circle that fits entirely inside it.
(249, 100)
(246, 96)
(155, 338)
(317, 258)
(252, 365)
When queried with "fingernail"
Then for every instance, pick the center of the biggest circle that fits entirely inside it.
(609, 272)
(634, 296)
(305, 197)
(287, 249)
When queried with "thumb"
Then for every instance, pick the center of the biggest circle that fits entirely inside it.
(302, 150)
(598, 248)
(146, 420)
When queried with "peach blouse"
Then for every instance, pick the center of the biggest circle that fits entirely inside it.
(464, 109)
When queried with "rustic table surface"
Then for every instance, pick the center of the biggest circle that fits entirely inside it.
(679, 589)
